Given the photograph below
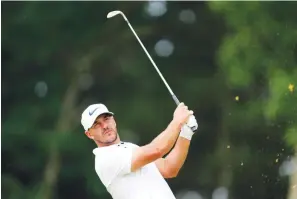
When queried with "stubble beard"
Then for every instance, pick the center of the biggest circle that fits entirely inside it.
(110, 142)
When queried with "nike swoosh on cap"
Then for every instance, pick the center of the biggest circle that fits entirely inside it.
(91, 113)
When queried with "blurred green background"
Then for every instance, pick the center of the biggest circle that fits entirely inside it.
(233, 63)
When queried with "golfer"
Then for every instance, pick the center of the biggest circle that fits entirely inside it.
(129, 171)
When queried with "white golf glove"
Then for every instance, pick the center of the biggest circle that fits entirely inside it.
(188, 129)
(192, 123)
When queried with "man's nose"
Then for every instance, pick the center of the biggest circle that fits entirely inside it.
(104, 125)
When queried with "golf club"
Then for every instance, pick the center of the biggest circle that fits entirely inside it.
(116, 12)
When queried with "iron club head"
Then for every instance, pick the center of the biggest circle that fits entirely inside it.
(113, 13)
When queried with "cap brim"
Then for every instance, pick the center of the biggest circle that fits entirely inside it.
(96, 115)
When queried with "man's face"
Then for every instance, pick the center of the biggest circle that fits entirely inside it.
(103, 130)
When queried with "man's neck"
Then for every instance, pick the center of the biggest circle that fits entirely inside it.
(100, 144)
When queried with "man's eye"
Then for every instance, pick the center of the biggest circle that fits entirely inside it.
(95, 124)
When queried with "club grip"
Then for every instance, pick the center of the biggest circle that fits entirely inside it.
(175, 99)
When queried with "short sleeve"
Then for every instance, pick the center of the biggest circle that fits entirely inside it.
(113, 163)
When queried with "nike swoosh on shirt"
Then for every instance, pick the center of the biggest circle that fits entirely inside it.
(91, 112)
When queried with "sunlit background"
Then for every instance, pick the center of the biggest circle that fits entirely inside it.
(233, 63)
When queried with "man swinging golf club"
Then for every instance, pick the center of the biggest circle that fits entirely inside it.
(129, 171)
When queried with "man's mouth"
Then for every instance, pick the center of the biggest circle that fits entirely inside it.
(106, 132)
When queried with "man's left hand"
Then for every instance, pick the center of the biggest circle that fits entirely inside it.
(192, 123)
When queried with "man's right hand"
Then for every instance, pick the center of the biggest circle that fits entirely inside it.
(181, 114)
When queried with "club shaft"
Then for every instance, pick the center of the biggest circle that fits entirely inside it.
(152, 61)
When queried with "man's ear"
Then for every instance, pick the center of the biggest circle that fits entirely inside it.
(89, 135)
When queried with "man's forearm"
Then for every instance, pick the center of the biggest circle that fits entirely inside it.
(166, 140)
(176, 158)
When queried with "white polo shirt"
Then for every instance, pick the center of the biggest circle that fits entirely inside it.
(113, 166)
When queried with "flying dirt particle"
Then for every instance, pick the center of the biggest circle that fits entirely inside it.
(291, 87)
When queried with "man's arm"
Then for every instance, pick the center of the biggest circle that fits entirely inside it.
(171, 165)
(163, 143)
